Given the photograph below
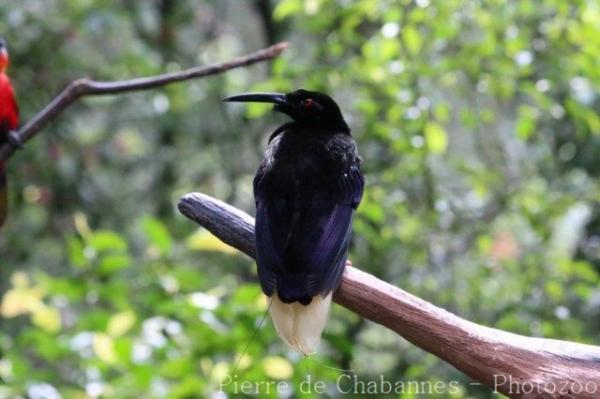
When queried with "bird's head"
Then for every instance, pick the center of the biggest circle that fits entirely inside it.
(4, 60)
(306, 107)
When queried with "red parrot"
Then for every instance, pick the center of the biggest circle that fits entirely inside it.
(9, 120)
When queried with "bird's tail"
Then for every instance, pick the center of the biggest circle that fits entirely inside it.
(300, 326)
(3, 195)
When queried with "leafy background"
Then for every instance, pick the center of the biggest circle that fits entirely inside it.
(479, 125)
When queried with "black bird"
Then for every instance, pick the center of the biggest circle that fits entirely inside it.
(306, 190)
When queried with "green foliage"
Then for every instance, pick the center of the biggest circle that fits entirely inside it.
(478, 124)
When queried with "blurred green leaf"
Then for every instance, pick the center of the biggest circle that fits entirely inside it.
(76, 251)
(203, 240)
(46, 317)
(436, 138)
(120, 323)
(113, 262)
(287, 8)
(105, 241)
(157, 234)
(277, 367)
(412, 38)
(104, 348)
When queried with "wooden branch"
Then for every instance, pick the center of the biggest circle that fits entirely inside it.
(86, 87)
(515, 365)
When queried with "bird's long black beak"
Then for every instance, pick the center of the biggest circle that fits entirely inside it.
(274, 98)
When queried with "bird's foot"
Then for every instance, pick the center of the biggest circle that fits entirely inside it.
(14, 140)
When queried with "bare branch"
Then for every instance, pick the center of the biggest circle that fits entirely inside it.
(85, 87)
(512, 364)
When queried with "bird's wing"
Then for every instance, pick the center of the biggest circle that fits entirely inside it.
(269, 242)
(302, 237)
(323, 236)
(271, 225)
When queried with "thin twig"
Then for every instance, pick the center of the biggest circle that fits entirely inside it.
(86, 87)
(515, 365)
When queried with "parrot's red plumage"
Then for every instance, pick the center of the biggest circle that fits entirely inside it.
(9, 120)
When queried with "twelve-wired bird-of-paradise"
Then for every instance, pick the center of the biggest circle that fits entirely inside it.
(306, 189)
(9, 120)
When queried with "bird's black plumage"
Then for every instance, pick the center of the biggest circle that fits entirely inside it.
(306, 189)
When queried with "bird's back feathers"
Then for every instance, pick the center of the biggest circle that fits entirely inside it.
(306, 191)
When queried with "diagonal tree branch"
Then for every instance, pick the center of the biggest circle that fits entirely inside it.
(515, 365)
(86, 87)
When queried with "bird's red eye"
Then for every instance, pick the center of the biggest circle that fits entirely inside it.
(308, 103)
